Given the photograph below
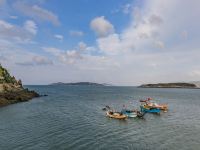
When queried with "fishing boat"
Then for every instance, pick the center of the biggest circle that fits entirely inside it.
(129, 113)
(163, 107)
(152, 104)
(146, 109)
(116, 115)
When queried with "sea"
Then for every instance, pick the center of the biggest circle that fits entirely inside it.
(71, 118)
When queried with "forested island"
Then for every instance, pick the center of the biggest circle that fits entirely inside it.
(169, 85)
(80, 83)
(11, 90)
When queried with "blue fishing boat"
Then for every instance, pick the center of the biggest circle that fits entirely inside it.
(149, 110)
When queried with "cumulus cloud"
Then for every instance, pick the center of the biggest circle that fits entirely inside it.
(80, 53)
(152, 27)
(16, 33)
(5, 25)
(69, 56)
(76, 33)
(36, 12)
(59, 37)
(82, 46)
(30, 26)
(110, 45)
(152, 41)
(155, 19)
(101, 26)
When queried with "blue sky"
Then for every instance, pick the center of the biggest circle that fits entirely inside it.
(72, 16)
(127, 42)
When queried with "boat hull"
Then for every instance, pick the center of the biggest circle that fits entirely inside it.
(129, 114)
(149, 110)
(115, 115)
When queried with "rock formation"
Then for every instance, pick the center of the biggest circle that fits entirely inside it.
(11, 90)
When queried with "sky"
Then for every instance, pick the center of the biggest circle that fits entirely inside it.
(119, 42)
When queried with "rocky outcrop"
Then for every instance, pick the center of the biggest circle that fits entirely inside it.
(7, 98)
(11, 90)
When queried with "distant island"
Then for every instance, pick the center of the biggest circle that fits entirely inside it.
(169, 85)
(80, 83)
(11, 90)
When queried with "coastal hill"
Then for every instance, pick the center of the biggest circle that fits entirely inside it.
(169, 85)
(11, 90)
(80, 83)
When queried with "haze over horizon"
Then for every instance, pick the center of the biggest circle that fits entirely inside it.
(129, 42)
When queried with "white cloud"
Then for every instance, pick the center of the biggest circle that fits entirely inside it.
(152, 27)
(36, 60)
(76, 33)
(53, 51)
(13, 17)
(36, 12)
(71, 56)
(30, 26)
(152, 42)
(59, 37)
(40, 60)
(16, 33)
(101, 26)
(155, 19)
(110, 45)
(82, 46)
(159, 44)
(64, 56)
(5, 25)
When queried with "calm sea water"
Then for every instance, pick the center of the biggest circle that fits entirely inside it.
(71, 118)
